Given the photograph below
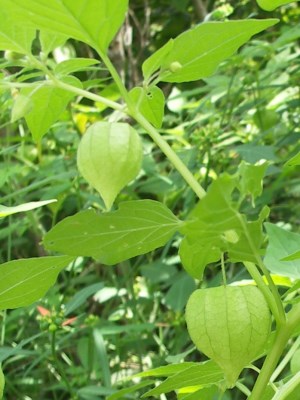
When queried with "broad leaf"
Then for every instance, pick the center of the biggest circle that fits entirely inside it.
(25, 281)
(150, 103)
(14, 36)
(251, 178)
(207, 374)
(136, 228)
(282, 244)
(133, 388)
(195, 256)
(197, 53)
(73, 65)
(50, 41)
(154, 62)
(92, 21)
(270, 5)
(166, 370)
(48, 103)
(206, 393)
(217, 226)
(5, 211)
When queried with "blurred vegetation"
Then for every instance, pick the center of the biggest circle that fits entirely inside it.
(130, 317)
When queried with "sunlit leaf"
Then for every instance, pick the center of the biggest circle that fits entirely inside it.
(150, 103)
(197, 53)
(216, 226)
(207, 374)
(5, 211)
(13, 36)
(48, 103)
(25, 281)
(282, 244)
(92, 21)
(137, 227)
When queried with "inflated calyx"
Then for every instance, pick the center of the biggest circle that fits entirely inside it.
(109, 156)
(230, 325)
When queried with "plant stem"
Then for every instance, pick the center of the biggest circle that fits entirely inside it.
(153, 133)
(273, 289)
(279, 313)
(282, 336)
(223, 270)
(288, 387)
(171, 155)
(253, 271)
(286, 359)
(87, 94)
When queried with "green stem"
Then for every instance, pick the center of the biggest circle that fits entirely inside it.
(152, 132)
(287, 389)
(87, 94)
(284, 332)
(223, 270)
(170, 154)
(279, 313)
(273, 289)
(253, 271)
(117, 79)
(271, 361)
(286, 359)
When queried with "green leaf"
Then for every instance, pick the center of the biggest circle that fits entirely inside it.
(150, 102)
(101, 353)
(5, 211)
(2, 383)
(294, 160)
(22, 106)
(13, 36)
(123, 392)
(80, 297)
(206, 393)
(154, 62)
(92, 21)
(136, 228)
(177, 296)
(216, 226)
(73, 65)
(50, 41)
(291, 257)
(207, 373)
(166, 370)
(208, 45)
(25, 281)
(48, 103)
(195, 256)
(253, 154)
(270, 5)
(251, 182)
(282, 244)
